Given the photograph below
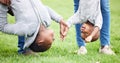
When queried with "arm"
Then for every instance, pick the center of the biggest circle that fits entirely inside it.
(18, 29)
(99, 21)
(74, 19)
(98, 25)
(54, 16)
(95, 34)
(59, 19)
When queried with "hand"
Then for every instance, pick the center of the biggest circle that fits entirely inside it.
(93, 36)
(88, 39)
(5, 2)
(63, 29)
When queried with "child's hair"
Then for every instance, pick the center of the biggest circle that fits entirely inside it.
(43, 46)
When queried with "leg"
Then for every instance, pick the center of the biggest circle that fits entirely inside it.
(80, 41)
(105, 31)
(77, 27)
(21, 40)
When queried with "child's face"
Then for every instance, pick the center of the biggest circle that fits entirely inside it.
(45, 35)
(86, 29)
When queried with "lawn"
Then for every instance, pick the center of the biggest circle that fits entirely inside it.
(63, 51)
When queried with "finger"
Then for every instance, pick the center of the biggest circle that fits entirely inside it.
(65, 31)
(61, 28)
(86, 40)
(62, 37)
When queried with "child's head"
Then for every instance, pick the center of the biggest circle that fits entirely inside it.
(43, 40)
(86, 29)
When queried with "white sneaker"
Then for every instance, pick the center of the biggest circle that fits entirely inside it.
(106, 50)
(82, 50)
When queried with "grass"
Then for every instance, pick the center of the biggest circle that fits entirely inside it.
(62, 52)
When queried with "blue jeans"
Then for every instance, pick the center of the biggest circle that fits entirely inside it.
(104, 32)
(21, 40)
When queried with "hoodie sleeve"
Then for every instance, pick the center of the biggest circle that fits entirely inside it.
(75, 19)
(54, 16)
(99, 21)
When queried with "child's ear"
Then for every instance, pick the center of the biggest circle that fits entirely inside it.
(40, 39)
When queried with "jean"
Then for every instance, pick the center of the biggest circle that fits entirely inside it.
(104, 32)
(21, 41)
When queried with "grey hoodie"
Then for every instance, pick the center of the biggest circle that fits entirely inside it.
(28, 16)
(88, 10)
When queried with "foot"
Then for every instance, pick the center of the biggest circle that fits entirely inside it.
(20, 51)
(82, 50)
(106, 50)
(29, 52)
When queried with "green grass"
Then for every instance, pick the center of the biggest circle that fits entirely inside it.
(62, 52)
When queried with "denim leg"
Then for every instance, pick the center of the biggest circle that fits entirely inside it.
(105, 31)
(21, 40)
(80, 41)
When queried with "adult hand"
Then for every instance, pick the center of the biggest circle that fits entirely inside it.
(63, 29)
(5, 2)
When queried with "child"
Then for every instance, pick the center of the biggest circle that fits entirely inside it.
(89, 13)
(31, 16)
(87, 32)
